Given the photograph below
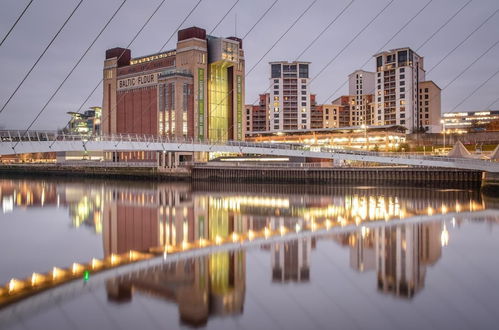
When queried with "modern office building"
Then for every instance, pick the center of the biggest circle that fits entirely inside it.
(475, 121)
(86, 123)
(290, 96)
(195, 90)
(399, 74)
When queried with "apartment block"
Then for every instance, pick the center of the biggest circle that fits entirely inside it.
(399, 73)
(429, 105)
(290, 95)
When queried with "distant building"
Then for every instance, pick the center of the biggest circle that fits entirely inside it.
(193, 91)
(383, 138)
(290, 96)
(399, 74)
(475, 121)
(87, 123)
(257, 115)
(429, 105)
(361, 88)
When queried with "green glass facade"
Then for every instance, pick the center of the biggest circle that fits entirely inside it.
(218, 99)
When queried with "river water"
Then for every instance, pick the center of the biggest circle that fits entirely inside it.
(437, 268)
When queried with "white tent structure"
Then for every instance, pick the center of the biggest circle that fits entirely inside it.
(459, 151)
(495, 154)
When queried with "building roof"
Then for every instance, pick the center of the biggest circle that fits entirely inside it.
(347, 129)
(396, 50)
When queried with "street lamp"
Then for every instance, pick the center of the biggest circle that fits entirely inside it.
(443, 130)
(364, 127)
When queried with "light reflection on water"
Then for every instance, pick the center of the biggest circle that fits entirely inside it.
(230, 289)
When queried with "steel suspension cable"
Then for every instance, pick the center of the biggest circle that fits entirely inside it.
(15, 23)
(41, 55)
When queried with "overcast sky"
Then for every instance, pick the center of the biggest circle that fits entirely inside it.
(44, 18)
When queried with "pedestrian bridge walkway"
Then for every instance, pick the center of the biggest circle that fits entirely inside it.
(34, 142)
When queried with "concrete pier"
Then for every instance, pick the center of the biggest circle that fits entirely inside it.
(376, 175)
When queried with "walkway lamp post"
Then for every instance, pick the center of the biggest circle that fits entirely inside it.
(364, 127)
(443, 130)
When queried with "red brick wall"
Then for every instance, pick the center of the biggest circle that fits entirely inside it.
(137, 111)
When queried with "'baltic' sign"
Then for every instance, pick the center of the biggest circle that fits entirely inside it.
(138, 81)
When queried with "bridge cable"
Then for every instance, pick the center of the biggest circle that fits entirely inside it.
(223, 17)
(341, 51)
(147, 65)
(179, 26)
(448, 54)
(15, 23)
(123, 52)
(41, 55)
(282, 36)
(76, 65)
(474, 91)
(463, 41)
(393, 37)
(306, 48)
(313, 41)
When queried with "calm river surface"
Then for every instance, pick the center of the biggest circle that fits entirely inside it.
(438, 268)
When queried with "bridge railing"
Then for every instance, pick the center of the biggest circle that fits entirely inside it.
(41, 136)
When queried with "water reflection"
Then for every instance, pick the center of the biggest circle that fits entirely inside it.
(141, 217)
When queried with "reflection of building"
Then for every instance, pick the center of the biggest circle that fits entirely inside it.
(207, 286)
(398, 254)
(402, 254)
(291, 261)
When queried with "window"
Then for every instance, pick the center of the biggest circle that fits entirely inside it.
(303, 92)
(402, 122)
(379, 61)
(402, 83)
(303, 71)
(426, 96)
(303, 121)
(276, 81)
(426, 90)
(276, 92)
(402, 115)
(402, 76)
(276, 70)
(402, 102)
(379, 99)
(304, 81)
(426, 109)
(304, 115)
(425, 102)
(402, 89)
(402, 96)
(276, 86)
(402, 70)
(426, 115)
(303, 86)
(304, 104)
(276, 98)
(303, 98)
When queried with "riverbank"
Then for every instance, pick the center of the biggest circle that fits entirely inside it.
(414, 176)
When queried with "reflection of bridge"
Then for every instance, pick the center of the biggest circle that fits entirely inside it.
(15, 143)
(62, 290)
